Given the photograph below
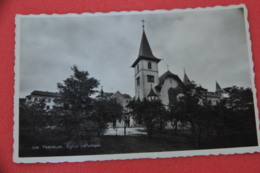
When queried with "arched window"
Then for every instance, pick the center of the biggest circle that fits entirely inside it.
(149, 65)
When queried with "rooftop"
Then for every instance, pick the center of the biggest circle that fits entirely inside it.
(45, 93)
(145, 51)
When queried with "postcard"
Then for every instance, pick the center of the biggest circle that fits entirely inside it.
(128, 85)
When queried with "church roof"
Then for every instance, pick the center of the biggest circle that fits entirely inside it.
(186, 80)
(145, 51)
(45, 93)
(152, 93)
(118, 94)
(104, 95)
(166, 75)
(218, 88)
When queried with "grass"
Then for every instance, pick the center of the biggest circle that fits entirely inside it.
(161, 141)
(121, 144)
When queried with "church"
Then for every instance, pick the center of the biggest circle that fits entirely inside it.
(167, 87)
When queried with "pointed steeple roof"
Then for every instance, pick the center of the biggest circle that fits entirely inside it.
(145, 51)
(218, 88)
(101, 92)
(152, 93)
(186, 80)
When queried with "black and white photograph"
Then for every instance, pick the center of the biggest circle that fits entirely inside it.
(125, 85)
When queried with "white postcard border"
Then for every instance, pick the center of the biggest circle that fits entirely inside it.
(151, 155)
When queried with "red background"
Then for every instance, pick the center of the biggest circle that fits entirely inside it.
(8, 10)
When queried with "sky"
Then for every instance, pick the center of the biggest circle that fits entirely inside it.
(210, 44)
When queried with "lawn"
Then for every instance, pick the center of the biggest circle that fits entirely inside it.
(121, 144)
(160, 141)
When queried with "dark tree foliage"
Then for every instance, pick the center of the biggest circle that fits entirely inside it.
(186, 109)
(75, 106)
(235, 118)
(177, 113)
(189, 111)
(76, 119)
(106, 111)
(150, 113)
(231, 121)
(239, 98)
(33, 120)
(76, 92)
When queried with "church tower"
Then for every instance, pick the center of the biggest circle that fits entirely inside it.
(146, 69)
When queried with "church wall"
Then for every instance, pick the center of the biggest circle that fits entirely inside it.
(168, 83)
(144, 88)
(136, 68)
(144, 65)
(147, 85)
(139, 88)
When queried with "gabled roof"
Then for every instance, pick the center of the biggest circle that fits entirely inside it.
(125, 96)
(166, 75)
(45, 93)
(145, 51)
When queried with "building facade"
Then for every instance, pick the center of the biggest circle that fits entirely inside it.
(167, 87)
(43, 96)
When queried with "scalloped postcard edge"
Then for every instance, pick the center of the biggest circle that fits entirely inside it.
(149, 155)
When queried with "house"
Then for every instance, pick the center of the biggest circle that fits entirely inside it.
(44, 96)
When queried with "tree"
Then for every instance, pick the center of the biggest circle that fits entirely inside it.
(148, 112)
(75, 105)
(106, 111)
(76, 92)
(235, 118)
(239, 98)
(232, 120)
(32, 123)
(188, 109)
(177, 113)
